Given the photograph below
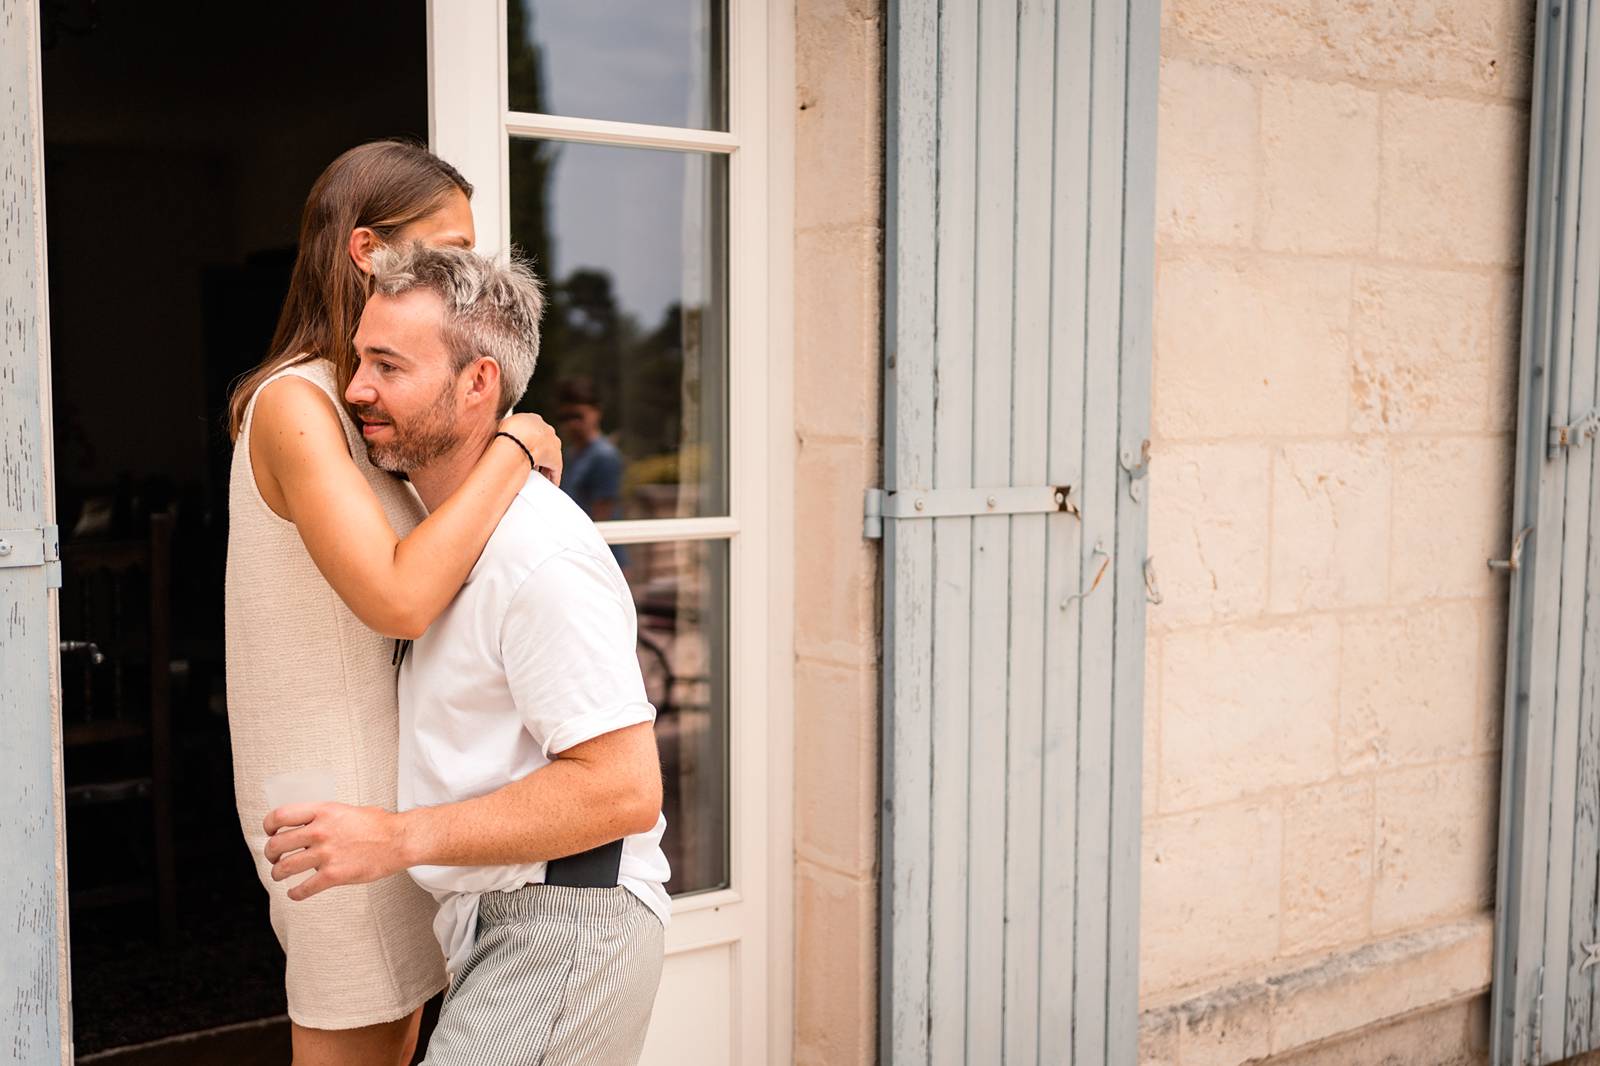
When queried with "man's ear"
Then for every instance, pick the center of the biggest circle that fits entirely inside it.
(484, 384)
(363, 241)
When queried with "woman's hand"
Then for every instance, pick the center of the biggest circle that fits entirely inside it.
(541, 441)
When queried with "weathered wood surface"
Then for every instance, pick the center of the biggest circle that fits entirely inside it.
(32, 918)
(1020, 224)
(910, 240)
(1142, 51)
(1572, 897)
(1547, 932)
(1526, 755)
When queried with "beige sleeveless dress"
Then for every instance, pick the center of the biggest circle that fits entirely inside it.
(310, 686)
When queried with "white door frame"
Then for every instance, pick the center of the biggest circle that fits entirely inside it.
(757, 912)
(35, 983)
(470, 126)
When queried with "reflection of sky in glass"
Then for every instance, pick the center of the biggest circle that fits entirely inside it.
(626, 60)
(621, 210)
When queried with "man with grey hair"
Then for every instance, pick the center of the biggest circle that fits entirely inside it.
(529, 785)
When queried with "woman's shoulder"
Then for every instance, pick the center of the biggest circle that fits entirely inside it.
(300, 396)
(313, 368)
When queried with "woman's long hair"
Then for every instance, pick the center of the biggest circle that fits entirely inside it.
(383, 185)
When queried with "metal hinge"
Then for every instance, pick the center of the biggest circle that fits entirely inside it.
(40, 546)
(963, 503)
(1580, 432)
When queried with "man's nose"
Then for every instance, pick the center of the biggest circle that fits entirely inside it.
(360, 390)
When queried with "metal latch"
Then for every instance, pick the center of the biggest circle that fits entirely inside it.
(40, 546)
(1514, 562)
(963, 503)
(1577, 434)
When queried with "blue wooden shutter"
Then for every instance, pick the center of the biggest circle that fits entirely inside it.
(1020, 214)
(32, 933)
(1547, 936)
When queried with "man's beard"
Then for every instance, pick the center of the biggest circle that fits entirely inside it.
(417, 442)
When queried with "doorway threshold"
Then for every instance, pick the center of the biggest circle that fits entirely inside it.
(262, 1042)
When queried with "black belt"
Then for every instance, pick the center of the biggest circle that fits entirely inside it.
(595, 868)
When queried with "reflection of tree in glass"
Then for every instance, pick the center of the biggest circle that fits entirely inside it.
(637, 373)
(531, 161)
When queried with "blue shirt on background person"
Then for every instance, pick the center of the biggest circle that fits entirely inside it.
(593, 476)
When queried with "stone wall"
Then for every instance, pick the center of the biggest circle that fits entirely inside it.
(1340, 217)
(837, 311)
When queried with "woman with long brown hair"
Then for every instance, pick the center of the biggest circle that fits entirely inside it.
(332, 564)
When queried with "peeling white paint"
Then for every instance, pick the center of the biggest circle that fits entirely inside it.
(33, 985)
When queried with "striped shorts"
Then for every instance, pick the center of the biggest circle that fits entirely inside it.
(557, 976)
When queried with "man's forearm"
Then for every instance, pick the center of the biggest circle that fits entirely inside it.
(558, 810)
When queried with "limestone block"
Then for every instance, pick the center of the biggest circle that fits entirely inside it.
(1330, 525)
(1409, 684)
(1281, 30)
(838, 133)
(835, 590)
(1327, 865)
(1319, 182)
(837, 330)
(1492, 675)
(1442, 1037)
(1436, 842)
(1206, 152)
(835, 715)
(1505, 352)
(1345, 993)
(1215, 871)
(1452, 513)
(1517, 22)
(1247, 708)
(1208, 531)
(1478, 1026)
(1453, 174)
(1251, 346)
(1158, 1040)
(836, 985)
(1470, 45)
(1232, 1027)
(1422, 344)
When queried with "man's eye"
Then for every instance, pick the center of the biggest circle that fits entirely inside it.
(386, 368)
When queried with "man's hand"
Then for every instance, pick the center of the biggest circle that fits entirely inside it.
(345, 845)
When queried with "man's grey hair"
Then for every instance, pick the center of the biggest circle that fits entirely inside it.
(490, 309)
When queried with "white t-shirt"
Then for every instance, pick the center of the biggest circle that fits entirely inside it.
(534, 655)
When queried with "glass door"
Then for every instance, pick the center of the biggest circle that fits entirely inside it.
(616, 145)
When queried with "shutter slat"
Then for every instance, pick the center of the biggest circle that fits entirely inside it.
(910, 244)
(993, 368)
(1142, 58)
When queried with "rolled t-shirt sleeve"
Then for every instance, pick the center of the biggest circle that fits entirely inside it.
(568, 645)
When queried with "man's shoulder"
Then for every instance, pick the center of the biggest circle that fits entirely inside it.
(542, 524)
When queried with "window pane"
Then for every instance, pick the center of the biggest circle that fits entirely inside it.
(680, 590)
(632, 245)
(654, 61)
